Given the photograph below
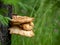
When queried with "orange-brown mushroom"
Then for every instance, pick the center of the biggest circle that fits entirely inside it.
(17, 30)
(27, 27)
(22, 25)
(21, 19)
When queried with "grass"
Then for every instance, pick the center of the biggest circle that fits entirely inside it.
(46, 31)
(47, 21)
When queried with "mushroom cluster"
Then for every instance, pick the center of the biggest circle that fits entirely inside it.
(22, 25)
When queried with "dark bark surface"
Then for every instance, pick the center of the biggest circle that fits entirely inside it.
(5, 37)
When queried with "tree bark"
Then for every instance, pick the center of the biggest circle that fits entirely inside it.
(5, 36)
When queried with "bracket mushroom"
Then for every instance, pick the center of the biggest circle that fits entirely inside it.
(22, 25)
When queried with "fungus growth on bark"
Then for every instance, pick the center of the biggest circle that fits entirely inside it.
(22, 25)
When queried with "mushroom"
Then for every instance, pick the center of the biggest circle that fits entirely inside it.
(17, 30)
(27, 27)
(21, 19)
(22, 25)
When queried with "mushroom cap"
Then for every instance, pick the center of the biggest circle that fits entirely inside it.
(21, 19)
(27, 27)
(17, 30)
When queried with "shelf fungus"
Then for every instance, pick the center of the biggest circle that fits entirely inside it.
(22, 25)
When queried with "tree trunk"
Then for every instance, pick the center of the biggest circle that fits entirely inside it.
(4, 33)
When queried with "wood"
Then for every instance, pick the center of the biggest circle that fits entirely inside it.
(5, 35)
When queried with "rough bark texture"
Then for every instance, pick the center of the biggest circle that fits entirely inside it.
(5, 37)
